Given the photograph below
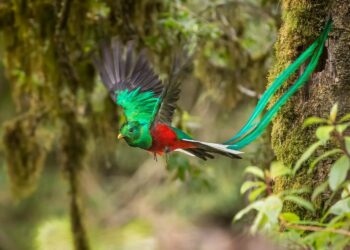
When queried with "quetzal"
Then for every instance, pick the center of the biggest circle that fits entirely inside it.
(149, 104)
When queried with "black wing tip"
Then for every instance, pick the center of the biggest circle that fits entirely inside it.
(200, 153)
(121, 67)
(235, 156)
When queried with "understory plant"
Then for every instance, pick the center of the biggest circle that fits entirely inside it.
(330, 229)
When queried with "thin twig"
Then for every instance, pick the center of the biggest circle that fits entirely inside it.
(248, 92)
(316, 229)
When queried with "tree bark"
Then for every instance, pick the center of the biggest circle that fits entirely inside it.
(330, 83)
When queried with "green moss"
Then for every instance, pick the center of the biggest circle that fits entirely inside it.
(302, 180)
(302, 22)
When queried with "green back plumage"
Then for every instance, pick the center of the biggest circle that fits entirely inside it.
(138, 106)
(251, 130)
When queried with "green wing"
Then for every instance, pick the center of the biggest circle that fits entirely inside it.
(130, 80)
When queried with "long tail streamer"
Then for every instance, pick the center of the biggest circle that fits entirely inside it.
(252, 129)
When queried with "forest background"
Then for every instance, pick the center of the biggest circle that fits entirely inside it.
(65, 180)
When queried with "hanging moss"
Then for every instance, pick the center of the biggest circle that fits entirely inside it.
(25, 154)
(73, 141)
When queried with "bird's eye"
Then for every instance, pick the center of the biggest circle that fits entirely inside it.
(131, 130)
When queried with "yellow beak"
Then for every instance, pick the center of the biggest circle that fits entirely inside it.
(120, 136)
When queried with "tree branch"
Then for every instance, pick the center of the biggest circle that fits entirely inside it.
(77, 227)
(73, 148)
(316, 229)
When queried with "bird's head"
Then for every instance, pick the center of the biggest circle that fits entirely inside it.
(136, 134)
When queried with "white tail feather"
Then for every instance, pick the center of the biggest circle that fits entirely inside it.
(218, 146)
(184, 152)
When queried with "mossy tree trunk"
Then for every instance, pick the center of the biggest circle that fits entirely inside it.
(302, 23)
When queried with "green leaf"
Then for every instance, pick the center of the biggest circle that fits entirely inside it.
(289, 217)
(319, 189)
(268, 214)
(272, 208)
(306, 155)
(278, 169)
(259, 221)
(323, 133)
(256, 205)
(347, 144)
(341, 207)
(333, 114)
(170, 23)
(336, 221)
(342, 127)
(300, 201)
(181, 173)
(338, 172)
(250, 184)
(346, 191)
(268, 209)
(321, 157)
(302, 190)
(313, 120)
(255, 171)
(345, 118)
(255, 193)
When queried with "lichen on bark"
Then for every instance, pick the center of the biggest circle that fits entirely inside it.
(302, 23)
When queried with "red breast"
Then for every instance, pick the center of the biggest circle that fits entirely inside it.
(164, 138)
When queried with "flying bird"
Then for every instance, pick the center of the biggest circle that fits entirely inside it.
(149, 103)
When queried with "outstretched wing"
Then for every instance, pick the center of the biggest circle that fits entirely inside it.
(171, 93)
(130, 80)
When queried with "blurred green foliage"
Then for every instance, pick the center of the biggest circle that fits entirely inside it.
(330, 200)
(57, 119)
